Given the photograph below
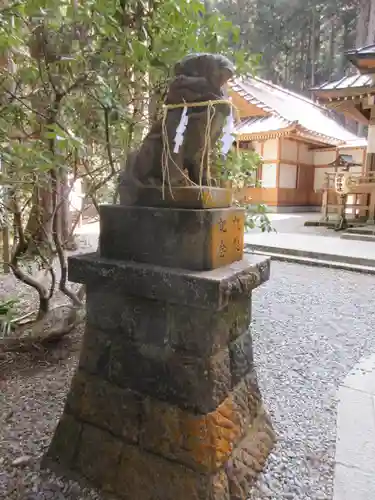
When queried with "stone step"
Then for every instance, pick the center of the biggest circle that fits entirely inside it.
(312, 261)
(314, 252)
(358, 236)
(368, 230)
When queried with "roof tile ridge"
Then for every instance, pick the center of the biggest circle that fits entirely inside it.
(289, 92)
(336, 140)
(273, 111)
(238, 82)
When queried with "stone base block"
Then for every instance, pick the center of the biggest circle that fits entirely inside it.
(203, 442)
(127, 471)
(189, 239)
(165, 403)
(180, 197)
(250, 457)
(208, 290)
(178, 455)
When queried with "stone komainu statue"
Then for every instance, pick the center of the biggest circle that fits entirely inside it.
(198, 78)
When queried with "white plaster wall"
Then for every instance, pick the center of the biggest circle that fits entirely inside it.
(288, 176)
(269, 175)
(305, 154)
(319, 176)
(324, 157)
(356, 170)
(289, 150)
(257, 147)
(270, 149)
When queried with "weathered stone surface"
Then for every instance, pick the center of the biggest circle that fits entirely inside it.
(106, 406)
(249, 458)
(189, 239)
(165, 393)
(198, 78)
(202, 442)
(182, 197)
(95, 352)
(98, 457)
(241, 357)
(136, 319)
(145, 476)
(148, 321)
(239, 310)
(64, 443)
(201, 332)
(207, 290)
(178, 377)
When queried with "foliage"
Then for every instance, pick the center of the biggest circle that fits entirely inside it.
(302, 42)
(239, 169)
(8, 314)
(80, 84)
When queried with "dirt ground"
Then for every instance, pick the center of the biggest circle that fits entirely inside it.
(33, 388)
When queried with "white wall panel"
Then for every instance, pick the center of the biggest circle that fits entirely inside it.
(270, 149)
(289, 150)
(269, 175)
(288, 176)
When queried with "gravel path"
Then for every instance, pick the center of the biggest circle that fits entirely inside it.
(311, 326)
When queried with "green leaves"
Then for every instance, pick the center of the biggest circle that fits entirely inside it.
(8, 313)
(69, 62)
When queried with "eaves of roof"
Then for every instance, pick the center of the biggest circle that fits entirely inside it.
(288, 129)
(287, 125)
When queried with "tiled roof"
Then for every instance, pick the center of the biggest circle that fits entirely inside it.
(288, 109)
(257, 125)
(360, 142)
(354, 82)
(362, 80)
(368, 50)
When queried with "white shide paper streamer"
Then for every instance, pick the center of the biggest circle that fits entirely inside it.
(179, 137)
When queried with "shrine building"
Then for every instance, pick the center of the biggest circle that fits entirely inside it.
(299, 141)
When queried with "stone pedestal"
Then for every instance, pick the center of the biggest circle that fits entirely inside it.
(188, 239)
(165, 403)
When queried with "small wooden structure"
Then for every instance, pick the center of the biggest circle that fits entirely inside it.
(354, 96)
(349, 197)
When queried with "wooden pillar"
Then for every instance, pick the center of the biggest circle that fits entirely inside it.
(278, 161)
(370, 158)
(371, 214)
(278, 166)
(260, 169)
(325, 206)
(363, 198)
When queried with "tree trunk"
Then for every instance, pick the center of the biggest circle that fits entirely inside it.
(371, 25)
(345, 42)
(39, 224)
(64, 213)
(313, 48)
(307, 63)
(362, 23)
(331, 49)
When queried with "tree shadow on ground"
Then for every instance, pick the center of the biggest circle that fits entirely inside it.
(36, 359)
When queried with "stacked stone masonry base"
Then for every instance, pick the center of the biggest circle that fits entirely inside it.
(165, 403)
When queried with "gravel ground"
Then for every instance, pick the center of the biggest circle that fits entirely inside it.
(33, 388)
(311, 325)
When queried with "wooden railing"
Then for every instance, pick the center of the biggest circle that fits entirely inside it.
(356, 205)
(329, 182)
